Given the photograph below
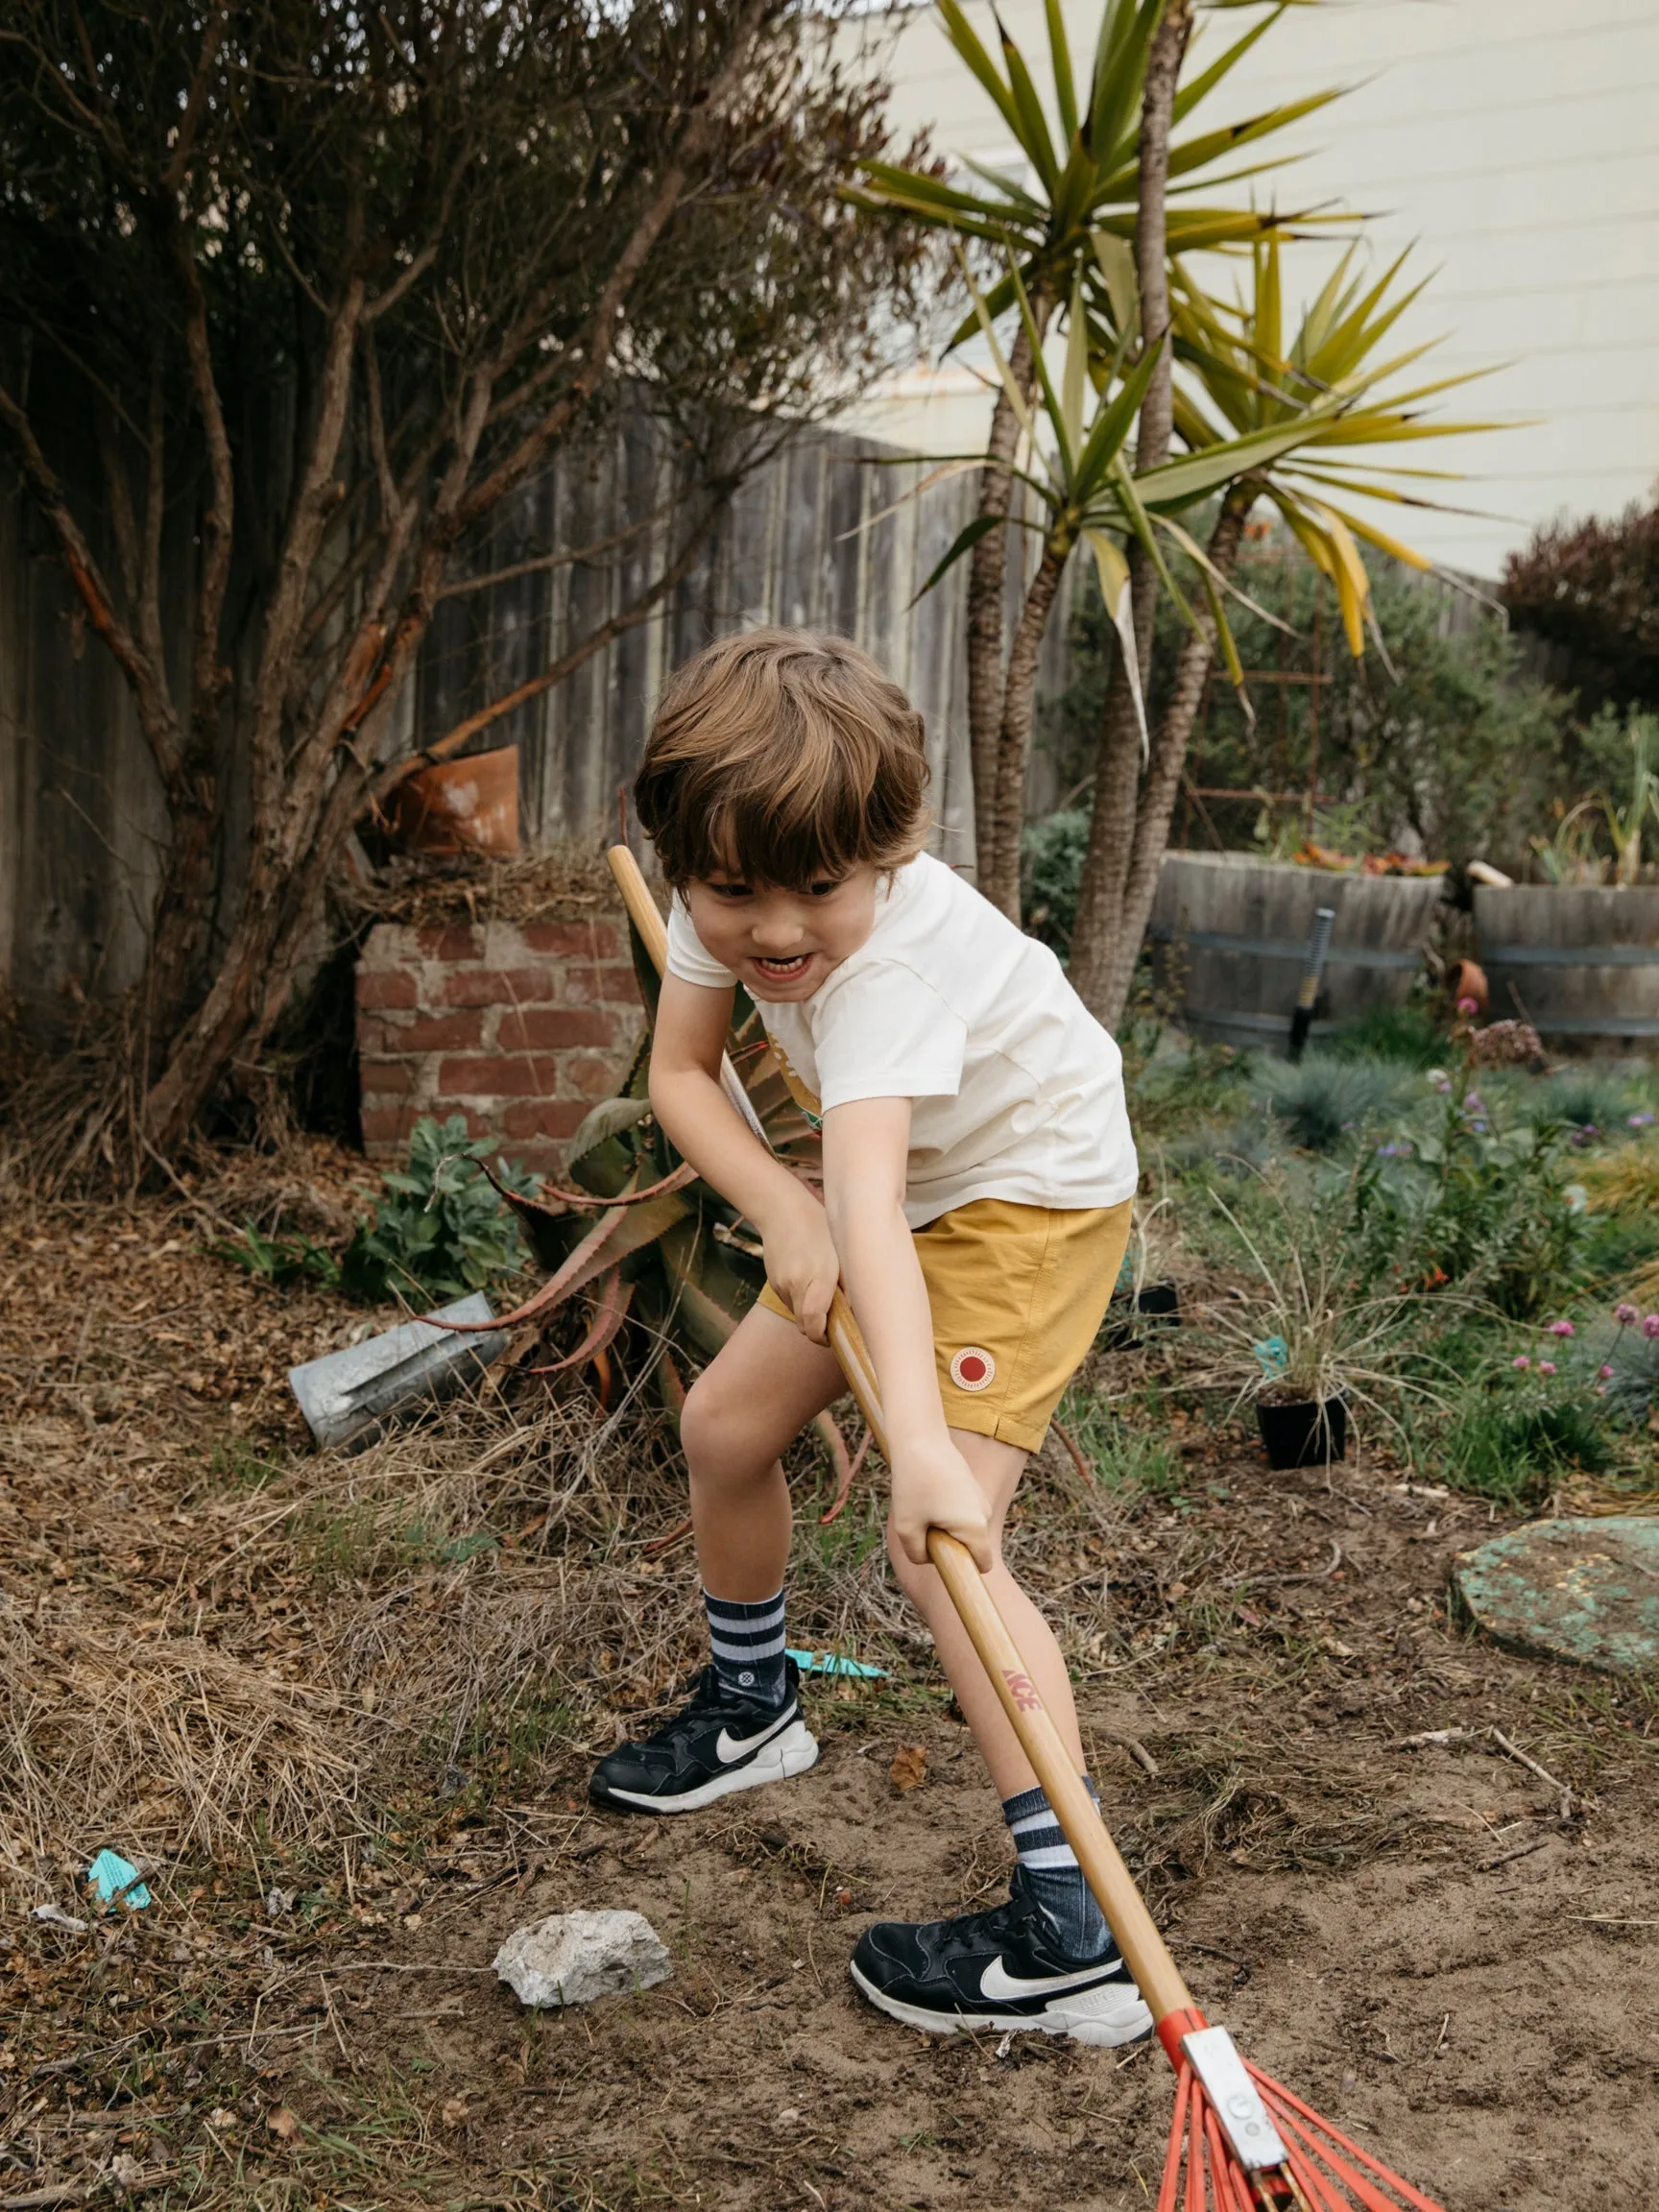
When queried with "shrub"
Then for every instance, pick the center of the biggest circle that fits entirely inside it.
(1409, 1036)
(442, 1228)
(1050, 870)
(1592, 588)
(1321, 1101)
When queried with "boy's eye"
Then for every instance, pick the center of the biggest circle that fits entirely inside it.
(821, 890)
(730, 890)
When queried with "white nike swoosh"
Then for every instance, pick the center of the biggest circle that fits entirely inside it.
(729, 1748)
(998, 1983)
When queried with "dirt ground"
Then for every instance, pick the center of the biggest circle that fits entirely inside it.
(1455, 1961)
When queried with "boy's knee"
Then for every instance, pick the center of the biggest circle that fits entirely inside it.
(703, 1418)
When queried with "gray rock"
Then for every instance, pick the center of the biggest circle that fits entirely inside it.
(575, 1956)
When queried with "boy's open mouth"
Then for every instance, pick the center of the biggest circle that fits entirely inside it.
(783, 970)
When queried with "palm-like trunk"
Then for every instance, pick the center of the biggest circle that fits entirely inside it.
(1106, 866)
(999, 865)
(1150, 833)
(987, 585)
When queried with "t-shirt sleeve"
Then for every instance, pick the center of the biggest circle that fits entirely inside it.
(687, 958)
(885, 1033)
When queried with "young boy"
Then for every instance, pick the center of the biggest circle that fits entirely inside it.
(979, 1174)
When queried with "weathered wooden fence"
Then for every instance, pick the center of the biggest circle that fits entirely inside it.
(83, 832)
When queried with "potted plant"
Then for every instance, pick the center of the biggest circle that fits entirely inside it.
(1306, 1341)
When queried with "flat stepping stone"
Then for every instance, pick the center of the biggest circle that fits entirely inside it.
(1585, 1590)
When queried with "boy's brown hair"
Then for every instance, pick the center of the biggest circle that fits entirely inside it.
(782, 757)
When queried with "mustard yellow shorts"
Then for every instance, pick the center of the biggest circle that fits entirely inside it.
(1018, 1295)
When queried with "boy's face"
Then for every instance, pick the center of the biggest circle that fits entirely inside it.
(782, 945)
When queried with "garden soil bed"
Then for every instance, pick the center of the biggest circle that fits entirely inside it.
(1451, 1961)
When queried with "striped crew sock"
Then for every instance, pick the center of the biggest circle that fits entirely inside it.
(1053, 1873)
(747, 1641)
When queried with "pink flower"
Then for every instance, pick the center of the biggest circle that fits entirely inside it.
(1561, 1328)
(1520, 1361)
(1650, 1328)
(1625, 1315)
(1603, 1374)
(1546, 1366)
(1467, 1006)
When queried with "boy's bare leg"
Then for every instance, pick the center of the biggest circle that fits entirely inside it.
(998, 1467)
(751, 1401)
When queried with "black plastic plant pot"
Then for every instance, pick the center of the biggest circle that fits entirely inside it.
(1157, 1303)
(1309, 1433)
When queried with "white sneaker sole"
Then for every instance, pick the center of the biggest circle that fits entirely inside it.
(791, 1752)
(1106, 2017)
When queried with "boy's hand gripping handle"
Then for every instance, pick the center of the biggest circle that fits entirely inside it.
(1143, 1949)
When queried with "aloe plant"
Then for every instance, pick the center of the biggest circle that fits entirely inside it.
(640, 1235)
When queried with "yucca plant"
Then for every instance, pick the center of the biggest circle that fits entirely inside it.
(1316, 406)
(1065, 231)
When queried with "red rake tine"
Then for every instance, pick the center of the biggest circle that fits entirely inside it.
(1304, 2146)
(1177, 2141)
(1290, 2104)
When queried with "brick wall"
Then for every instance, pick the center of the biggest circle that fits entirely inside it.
(518, 1026)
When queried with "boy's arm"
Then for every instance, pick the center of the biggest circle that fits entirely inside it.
(866, 1149)
(702, 1125)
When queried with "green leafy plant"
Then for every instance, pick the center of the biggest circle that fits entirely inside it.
(277, 1259)
(442, 1227)
(1468, 1202)
(1052, 857)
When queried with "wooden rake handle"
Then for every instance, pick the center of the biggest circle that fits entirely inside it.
(1143, 1949)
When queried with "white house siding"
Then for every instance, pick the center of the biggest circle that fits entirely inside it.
(1514, 145)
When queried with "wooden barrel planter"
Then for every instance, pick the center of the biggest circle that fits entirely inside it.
(1232, 932)
(1580, 963)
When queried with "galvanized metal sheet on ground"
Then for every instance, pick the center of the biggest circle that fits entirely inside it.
(1585, 1590)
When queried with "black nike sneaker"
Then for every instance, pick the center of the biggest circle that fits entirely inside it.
(720, 1742)
(999, 1969)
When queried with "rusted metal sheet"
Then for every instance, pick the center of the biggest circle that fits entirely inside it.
(1584, 1590)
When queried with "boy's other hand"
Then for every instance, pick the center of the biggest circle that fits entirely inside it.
(936, 1489)
(800, 1262)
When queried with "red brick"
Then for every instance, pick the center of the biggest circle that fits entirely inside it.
(546, 1028)
(382, 1075)
(580, 940)
(387, 1124)
(544, 1116)
(583, 1075)
(478, 1123)
(386, 987)
(440, 1033)
(620, 985)
(501, 986)
(499, 1075)
(449, 941)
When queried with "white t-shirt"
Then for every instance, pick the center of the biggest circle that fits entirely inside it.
(1018, 1090)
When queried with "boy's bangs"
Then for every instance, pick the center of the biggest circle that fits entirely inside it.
(772, 846)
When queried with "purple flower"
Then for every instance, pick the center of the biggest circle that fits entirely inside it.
(1472, 1102)
(1650, 1328)
(1625, 1315)
(1546, 1366)
(1561, 1328)
(1399, 1150)
(1640, 1121)
(1520, 1361)
(1604, 1374)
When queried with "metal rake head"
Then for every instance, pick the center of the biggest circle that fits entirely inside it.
(1322, 2169)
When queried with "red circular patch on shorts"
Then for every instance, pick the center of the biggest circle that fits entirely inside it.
(972, 1368)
